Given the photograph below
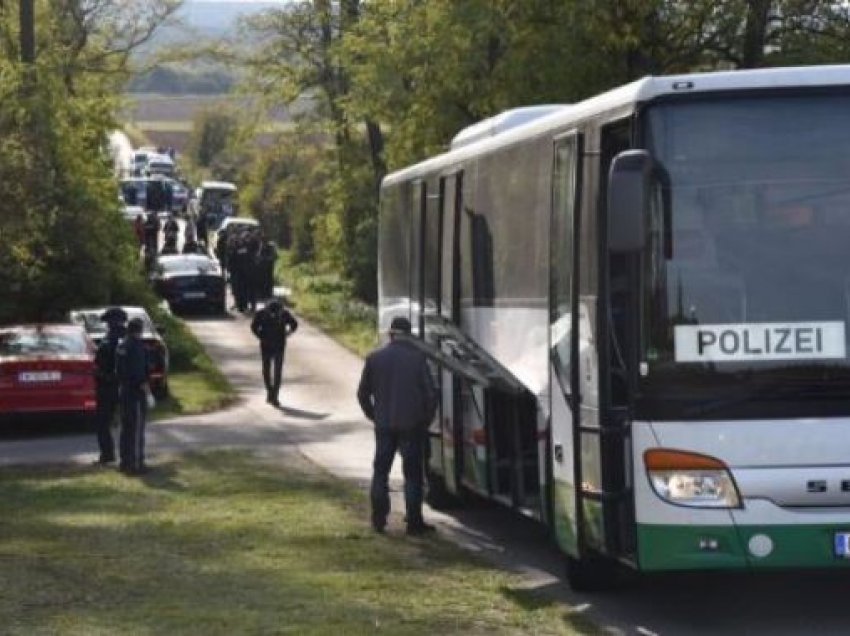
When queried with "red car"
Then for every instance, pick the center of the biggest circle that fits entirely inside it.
(46, 368)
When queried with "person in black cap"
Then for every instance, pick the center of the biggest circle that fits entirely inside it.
(397, 393)
(106, 382)
(272, 325)
(131, 364)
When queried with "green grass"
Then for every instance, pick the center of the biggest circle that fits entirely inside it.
(221, 543)
(326, 301)
(195, 383)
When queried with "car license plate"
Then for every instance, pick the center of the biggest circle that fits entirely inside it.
(39, 376)
(841, 542)
(194, 294)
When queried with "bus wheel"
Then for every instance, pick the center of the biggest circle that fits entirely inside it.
(591, 574)
(438, 496)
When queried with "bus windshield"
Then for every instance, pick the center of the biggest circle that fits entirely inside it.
(746, 285)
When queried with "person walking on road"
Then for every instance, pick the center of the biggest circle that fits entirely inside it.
(131, 365)
(152, 227)
(106, 382)
(397, 393)
(272, 325)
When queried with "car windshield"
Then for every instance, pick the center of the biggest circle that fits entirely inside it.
(40, 341)
(133, 192)
(91, 322)
(188, 265)
(747, 272)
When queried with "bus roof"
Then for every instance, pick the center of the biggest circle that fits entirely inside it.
(641, 90)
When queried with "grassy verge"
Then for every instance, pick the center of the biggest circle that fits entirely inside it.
(195, 383)
(326, 301)
(221, 543)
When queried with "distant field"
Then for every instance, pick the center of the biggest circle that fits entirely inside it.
(149, 107)
(167, 119)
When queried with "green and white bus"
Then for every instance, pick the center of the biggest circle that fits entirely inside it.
(640, 307)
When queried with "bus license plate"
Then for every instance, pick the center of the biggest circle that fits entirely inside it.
(842, 545)
(39, 376)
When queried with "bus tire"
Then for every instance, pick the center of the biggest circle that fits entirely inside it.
(591, 574)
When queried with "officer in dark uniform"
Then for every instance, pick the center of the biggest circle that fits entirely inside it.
(272, 325)
(201, 230)
(239, 264)
(152, 227)
(267, 258)
(397, 393)
(252, 271)
(131, 364)
(106, 381)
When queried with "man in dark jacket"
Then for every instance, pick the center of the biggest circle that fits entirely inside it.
(106, 381)
(397, 393)
(152, 227)
(272, 325)
(131, 365)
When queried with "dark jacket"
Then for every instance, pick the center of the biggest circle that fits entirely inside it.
(396, 388)
(131, 364)
(104, 360)
(272, 329)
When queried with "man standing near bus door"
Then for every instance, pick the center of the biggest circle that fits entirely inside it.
(131, 365)
(272, 325)
(397, 393)
(106, 382)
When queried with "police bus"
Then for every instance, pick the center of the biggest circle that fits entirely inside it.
(639, 306)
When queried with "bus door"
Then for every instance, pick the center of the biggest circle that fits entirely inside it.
(426, 297)
(449, 308)
(605, 506)
(563, 337)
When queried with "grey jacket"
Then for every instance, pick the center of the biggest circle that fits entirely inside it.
(396, 388)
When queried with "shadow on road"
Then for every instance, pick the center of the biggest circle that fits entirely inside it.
(302, 415)
(42, 426)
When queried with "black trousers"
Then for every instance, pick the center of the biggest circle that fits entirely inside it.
(134, 411)
(409, 445)
(107, 405)
(272, 369)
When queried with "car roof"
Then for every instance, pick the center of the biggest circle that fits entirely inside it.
(130, 309)
(52, 327)
(195, 257)
(218, 185)
(239, 220)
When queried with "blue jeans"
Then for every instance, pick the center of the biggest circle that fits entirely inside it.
(410, 447)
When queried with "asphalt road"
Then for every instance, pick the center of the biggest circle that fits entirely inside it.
(320, 417)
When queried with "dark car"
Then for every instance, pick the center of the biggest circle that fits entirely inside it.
(190, 280)
(158, 371)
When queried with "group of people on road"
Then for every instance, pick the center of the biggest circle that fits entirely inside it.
(147, 228)
(396, 389)
(121, 379)
(249, 260)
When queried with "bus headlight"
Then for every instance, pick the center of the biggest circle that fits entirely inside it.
(691, 479)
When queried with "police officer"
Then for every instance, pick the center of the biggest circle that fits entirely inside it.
(152, 227)
(272, 325)
(267, 258)
(397, 393)
(106, 381)
(131, 364)
(201, 229)
(252, 271)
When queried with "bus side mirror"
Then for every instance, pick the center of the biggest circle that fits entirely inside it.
(629, 185)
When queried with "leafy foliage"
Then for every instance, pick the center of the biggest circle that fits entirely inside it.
(393, 81)
(62, 240)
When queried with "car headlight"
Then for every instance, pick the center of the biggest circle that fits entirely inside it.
(691, 479)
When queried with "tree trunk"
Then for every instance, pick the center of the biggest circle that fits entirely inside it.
(755, 33)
